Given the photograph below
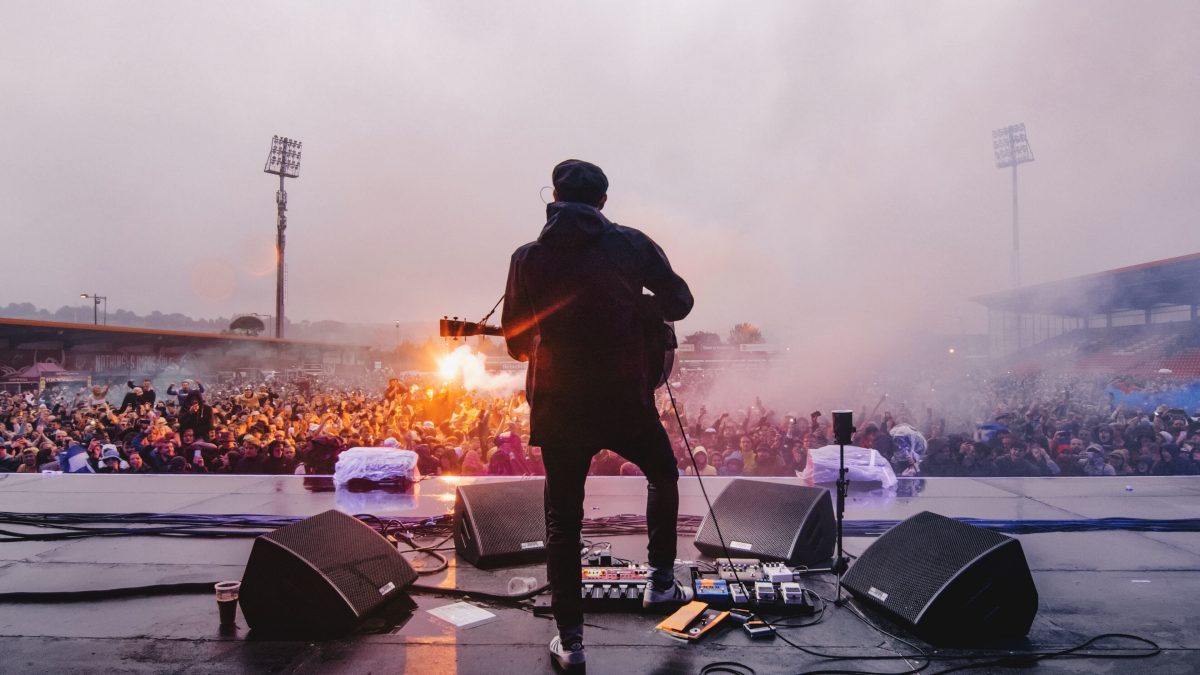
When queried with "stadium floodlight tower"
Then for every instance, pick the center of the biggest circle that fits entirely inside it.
(283, 161)
(1012, 148)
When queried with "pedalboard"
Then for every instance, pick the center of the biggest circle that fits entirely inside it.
(777, 572)
(788, 598)
(607, 588)
(739, 569)
(755, 586)
(745, 585)
(615, 574)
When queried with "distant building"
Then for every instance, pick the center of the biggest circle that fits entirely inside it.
(120, 353)
(1138, 320)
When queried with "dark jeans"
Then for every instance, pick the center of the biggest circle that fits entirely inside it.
(566, 472)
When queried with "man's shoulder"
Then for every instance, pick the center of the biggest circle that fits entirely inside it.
(524, 250)
(631, 233)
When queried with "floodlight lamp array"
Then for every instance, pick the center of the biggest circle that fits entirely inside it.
(1011, 146)
(284, 158)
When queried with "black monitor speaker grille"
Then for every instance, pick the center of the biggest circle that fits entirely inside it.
(500, 524)
(320, 576)
(947, 580)
(770, 521)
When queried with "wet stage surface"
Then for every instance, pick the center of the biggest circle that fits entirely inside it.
(1145, 583)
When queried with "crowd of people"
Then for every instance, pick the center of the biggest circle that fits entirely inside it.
(261, 428)
(1023, 428)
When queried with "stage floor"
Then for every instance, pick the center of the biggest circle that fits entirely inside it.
(1089, 582)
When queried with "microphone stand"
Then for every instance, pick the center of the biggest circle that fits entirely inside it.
(843, 431)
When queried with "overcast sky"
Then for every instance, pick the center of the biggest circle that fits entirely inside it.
(791, 158)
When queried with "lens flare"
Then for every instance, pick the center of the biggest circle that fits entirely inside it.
(452, 365)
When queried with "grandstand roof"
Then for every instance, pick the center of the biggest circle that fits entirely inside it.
(1173, 281)
(20, 331)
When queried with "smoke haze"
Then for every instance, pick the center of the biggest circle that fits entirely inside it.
(824, 169)
(465, 365)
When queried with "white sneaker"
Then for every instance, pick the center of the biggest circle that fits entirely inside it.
(569, 656)
(677, 593)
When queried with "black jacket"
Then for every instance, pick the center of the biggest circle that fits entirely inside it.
(574, 309)
(200, 422)
(130, 402)
(148, 395)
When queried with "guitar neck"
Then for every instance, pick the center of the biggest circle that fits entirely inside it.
(457, 329)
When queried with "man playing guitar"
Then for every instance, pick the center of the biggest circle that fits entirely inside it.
(575, 310)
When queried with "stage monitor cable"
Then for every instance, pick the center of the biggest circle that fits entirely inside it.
(22, 597)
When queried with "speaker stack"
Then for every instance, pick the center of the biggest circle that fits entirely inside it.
(948, 582)
(770, 521)
(320, 577)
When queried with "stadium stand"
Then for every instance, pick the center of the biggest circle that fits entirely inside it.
(1139, 320)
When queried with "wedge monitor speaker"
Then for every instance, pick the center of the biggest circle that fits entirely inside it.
(948, 582)
(320, 577)
(770, 521)
(500, 524)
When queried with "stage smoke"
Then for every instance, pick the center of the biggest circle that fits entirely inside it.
(471, 367)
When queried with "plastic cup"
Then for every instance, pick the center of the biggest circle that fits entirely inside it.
(227, 599)
(521, 585)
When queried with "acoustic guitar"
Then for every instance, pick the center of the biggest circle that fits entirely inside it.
(660, 342)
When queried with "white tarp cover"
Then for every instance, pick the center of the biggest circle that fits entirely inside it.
(375, 464)
(863, 466)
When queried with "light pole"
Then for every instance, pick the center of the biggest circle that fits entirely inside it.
(96, 300)
(1012, 148)
(397, 335)
(283, 161)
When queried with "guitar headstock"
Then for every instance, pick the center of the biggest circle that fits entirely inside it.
(454, 328)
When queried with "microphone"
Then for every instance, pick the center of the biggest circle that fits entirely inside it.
(843, 426)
